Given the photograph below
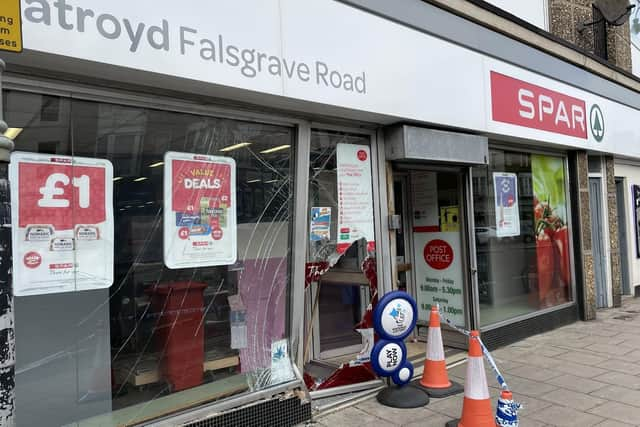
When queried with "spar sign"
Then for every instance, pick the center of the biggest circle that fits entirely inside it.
(62, 213)
(199, 210)
(525, 104)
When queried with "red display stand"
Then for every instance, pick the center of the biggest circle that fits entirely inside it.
(179, 332)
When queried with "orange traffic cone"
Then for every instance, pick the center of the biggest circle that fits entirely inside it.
(476, 408)
(435, 379)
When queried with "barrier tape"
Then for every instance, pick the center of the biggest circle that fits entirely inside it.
(485, 351)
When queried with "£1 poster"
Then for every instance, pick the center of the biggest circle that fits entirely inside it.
(62, 215)
(199, 210)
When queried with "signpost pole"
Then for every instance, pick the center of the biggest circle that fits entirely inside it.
(7, 337)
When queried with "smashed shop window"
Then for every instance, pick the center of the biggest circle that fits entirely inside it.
(161, 339)
(341, 280)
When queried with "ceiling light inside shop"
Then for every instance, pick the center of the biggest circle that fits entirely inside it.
(12, 133)
(251, 181)
(274, 149)
(271, 181)
(117, 178)
(155, 165)
(142, 178)
(235, 146)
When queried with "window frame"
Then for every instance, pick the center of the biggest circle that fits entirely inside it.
(522, 148)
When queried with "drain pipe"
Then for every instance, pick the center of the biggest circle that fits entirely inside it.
(7, 337)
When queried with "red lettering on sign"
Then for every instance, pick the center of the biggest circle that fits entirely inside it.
(524, 104)
(438, 254)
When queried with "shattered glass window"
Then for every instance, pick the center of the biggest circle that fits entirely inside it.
(341, 276)
(158, 340)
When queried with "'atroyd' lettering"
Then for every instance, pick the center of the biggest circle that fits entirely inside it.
(250, 62)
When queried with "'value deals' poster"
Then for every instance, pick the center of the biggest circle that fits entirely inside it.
(199, 210)
(62, 215)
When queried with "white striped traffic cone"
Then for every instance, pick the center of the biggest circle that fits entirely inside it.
(476, 408)
(435, 379)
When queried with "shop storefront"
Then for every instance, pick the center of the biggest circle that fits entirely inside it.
(627, 179)
(258, 191)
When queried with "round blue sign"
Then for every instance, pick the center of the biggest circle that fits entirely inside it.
(387, 357)
(395, 315)
(403, 375)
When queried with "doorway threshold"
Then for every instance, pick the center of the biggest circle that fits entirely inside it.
(327, 401)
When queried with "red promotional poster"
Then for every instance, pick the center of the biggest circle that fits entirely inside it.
(200, 210)
(552, 234)
(62, 207)
(524, 104)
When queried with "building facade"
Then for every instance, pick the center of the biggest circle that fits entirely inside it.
(207, 201)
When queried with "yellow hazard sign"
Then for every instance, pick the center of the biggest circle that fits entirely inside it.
(10, 26)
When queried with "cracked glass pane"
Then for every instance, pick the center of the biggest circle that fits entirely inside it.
(340, 272)
(159, 339)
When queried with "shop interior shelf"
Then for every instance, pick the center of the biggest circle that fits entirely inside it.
(147, 370)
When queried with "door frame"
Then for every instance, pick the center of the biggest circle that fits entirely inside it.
(467, 242)
(605, 256)
(623, 233)
(379, 193)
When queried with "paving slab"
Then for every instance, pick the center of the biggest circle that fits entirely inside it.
(579, 370)
(619, 394)
(449, 406)
(393, 415)
(572, 399)
(611, 349)
(528, 387)
(530, 422)
(575, 383)
(621, 379)
(623, 366)
(618, 411)
(613, 423)
(583, 357)
(435, 420)
(566, 417)
(353, 417)
(531, 372)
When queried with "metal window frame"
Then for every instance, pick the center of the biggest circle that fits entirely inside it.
(523, 148)
(379, 197)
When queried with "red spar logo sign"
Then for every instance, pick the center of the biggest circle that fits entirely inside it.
(61, 194)
(520, 103)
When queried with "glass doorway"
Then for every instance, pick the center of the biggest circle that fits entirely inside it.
(431, 245)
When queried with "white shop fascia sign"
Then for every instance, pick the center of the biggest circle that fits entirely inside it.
(325, 52)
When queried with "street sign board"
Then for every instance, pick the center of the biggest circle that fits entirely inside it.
(10, 26)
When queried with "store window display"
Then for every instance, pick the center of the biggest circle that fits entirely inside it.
(522, 234)
(160, 339)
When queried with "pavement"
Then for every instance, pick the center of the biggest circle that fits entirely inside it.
(584, 374)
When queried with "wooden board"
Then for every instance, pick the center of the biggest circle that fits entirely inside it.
(147, 370)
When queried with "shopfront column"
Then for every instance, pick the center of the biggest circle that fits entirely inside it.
(7, 336)
(614, 244)
(583, 253)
